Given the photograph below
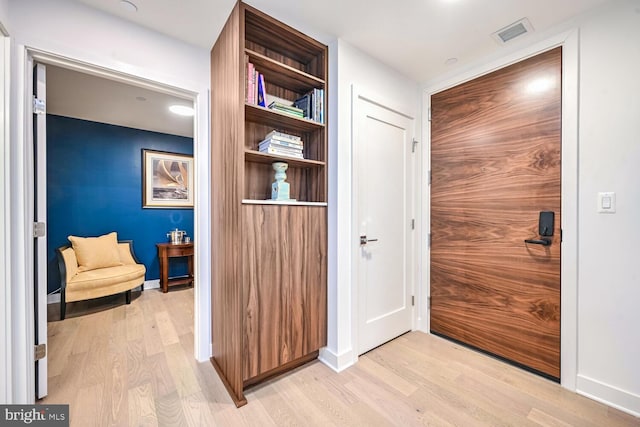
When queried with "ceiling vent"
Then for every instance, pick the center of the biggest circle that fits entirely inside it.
(510, 32)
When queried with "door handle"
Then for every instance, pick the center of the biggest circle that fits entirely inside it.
(545, 228)
(364, 240)
(543, 241)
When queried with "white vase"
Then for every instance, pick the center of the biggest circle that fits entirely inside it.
(280, 188)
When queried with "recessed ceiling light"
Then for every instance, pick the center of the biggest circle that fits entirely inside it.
(451, 61)
(129, 6)
(181, 110)
(141, 98)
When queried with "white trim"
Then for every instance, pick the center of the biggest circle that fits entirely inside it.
(337, 362)
(21, 242)
(569, 220)
(569, 40)
(608, 394)
(39, 140)
(5, 231)
(21, 190)
(151, 284)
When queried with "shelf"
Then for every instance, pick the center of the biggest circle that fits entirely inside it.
(283, 75)
(258, 157)
(279, 202)
(255, 113)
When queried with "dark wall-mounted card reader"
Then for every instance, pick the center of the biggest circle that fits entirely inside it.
(545, 223)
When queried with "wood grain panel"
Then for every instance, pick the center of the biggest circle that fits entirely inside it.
(304, 183)
(227, 160)
(285, 285)
(495, 154)
(282, 43)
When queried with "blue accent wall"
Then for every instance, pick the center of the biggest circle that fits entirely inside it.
(94, 186)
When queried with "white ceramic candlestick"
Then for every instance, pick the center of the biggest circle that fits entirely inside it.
(280, 188)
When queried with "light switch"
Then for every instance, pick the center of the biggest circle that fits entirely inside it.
(607, 202)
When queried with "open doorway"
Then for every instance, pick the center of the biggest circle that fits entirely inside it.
(97, 130)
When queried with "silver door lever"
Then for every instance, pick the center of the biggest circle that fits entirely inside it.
(364, 240)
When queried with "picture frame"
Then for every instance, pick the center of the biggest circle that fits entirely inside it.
(167, 180)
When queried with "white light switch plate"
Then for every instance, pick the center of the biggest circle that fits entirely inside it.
(607, 202)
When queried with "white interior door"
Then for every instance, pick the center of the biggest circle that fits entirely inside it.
(40, 219)
(383, 144)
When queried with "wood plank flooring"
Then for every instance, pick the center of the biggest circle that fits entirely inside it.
(134, 366)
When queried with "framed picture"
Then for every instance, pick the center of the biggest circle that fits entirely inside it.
(167, 180)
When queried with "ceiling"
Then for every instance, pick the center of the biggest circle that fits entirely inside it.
(88, 97)
(415, 37)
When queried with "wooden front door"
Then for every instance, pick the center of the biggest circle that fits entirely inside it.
(495, 158)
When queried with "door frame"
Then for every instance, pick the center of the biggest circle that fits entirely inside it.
(6, 390)
(22, 193)
(358, 93)
(569, 41)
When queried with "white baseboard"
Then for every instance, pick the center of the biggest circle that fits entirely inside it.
(337, 362)
(148, 284)
(609, 395)
(53, 298)
(152, 284)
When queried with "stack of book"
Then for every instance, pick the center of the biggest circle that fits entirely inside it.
(255, 89)
(312, 105)
(282, 144)
(286, 109)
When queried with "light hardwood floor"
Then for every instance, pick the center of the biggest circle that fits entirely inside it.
(133, 365)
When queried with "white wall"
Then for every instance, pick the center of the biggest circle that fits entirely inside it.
(72, 30)
(348, 67)
(4, 14)
(609, 159)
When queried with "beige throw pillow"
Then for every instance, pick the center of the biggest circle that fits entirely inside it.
(96, 252)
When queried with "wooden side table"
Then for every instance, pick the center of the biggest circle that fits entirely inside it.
(166, 251)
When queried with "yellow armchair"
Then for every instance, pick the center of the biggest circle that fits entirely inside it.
(81, 281)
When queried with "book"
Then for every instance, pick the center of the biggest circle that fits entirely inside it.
(304, 103)
(321, 109)
(282, 143)
(282, 135)
(296, 150)
(246, 79)
(250, 83)
(285, 107)
(262, 93)
(289, 113)
(280, 152)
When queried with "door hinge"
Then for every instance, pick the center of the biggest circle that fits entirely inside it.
(413, 224)
(429, 302)
(414, 142)
(413, 300)
(40, 351)
(429, 177)
(429, 114)
(39, 229)
(429, 240)
(561, 235)
(39, 106)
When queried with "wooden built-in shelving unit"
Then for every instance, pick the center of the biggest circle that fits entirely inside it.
(269, 274)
